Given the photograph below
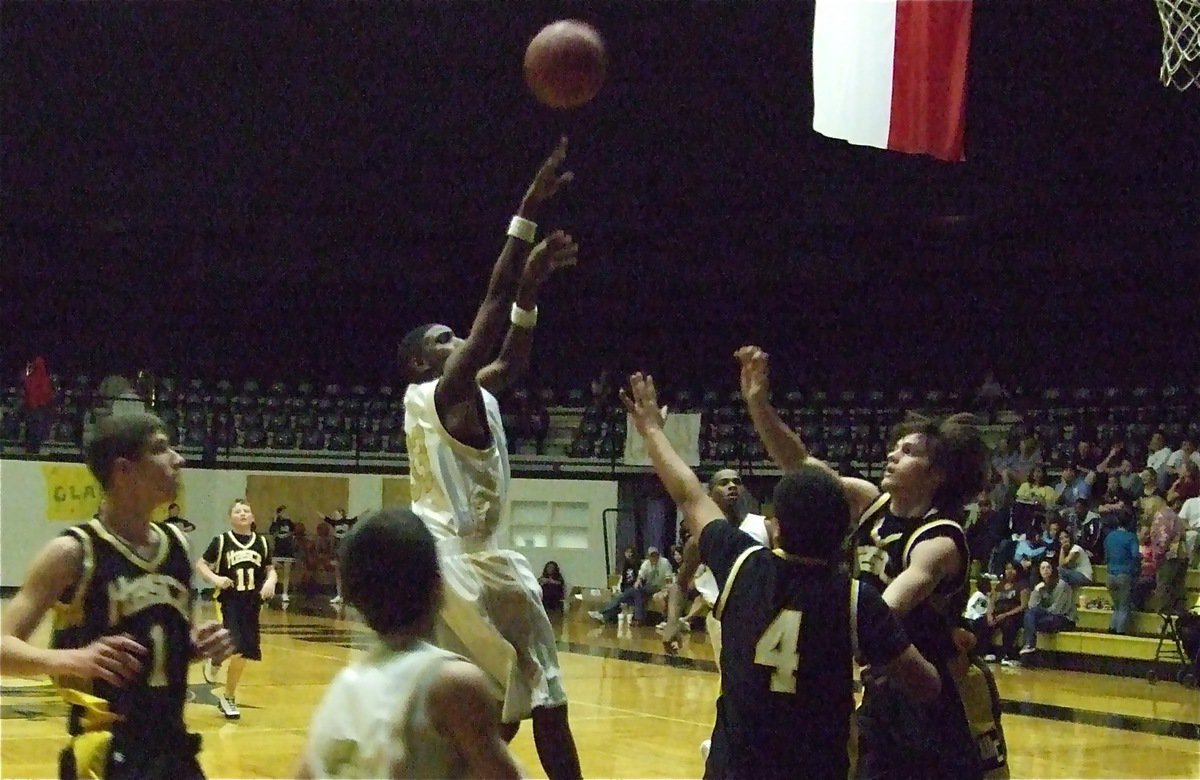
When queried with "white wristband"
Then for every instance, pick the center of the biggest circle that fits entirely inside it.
(523, 318)
(522, 229)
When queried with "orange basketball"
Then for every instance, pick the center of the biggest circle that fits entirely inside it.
(565, 64)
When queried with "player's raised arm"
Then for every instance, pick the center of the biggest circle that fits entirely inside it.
(786, 448)
(698, 507)
(460, 375)
(556, 251)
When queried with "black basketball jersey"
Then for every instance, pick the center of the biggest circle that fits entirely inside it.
(883, 545)
(283, 532)
(241, 558)
(790, 632)
(122, 593)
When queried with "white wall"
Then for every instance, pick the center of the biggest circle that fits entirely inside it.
(550, 519)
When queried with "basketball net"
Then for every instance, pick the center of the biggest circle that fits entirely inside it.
(1181, 42)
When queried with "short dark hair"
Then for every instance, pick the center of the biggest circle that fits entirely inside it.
(412, 347)
(389, 568)
(172, 505)
(119, 436)
(956, 449)
(280, 508)
(812, 512)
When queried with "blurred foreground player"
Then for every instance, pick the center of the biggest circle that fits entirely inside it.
(492, 609)
(120, 590)
(407, 708)
(793, 620)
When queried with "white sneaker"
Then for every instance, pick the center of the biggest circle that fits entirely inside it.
(336, 600)
(228, 707)
(990, 658)
(661, 627)
(285, 598)
(595, 615)
(212, 672)
(1011, 662)
(685, 626)
(1028, 650)
(705, 746)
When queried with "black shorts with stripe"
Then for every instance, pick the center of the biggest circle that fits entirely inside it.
(239, 614)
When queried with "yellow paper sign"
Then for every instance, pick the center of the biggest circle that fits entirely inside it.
(72, 493)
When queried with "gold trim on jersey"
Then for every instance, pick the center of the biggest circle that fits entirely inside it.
(853, 622)
(920, 530)
(737, 565)
(70, 614)
(253, 540)
(119, 544)
(179, 535)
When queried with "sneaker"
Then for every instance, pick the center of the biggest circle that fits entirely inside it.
(212, 672)
(1011, 662)
(228, 707)
(685, 626)
(990, 658)
(336, 600)
(705, 746)
(661, 627)
(595, 615)
(1028, 650)
(285, 598)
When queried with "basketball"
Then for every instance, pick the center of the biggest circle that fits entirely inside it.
(565, 64)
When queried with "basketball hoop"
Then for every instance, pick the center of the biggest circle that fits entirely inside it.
(1181, 42)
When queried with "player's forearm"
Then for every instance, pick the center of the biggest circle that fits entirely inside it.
(202, 568)
(784, 445)
(18, 657)
(677, 477)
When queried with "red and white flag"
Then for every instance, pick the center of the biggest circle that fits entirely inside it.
(892, 74)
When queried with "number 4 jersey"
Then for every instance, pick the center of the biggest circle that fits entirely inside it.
(792, 628)
(119, 592)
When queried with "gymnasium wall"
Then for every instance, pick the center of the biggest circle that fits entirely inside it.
(550, 518)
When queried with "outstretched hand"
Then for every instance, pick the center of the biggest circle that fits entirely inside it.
(755, 382)
(555, 251)
(549, 177)
(641, 401)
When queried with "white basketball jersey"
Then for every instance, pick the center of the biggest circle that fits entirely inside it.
(706, 583)
(374, 720)
(457, 490)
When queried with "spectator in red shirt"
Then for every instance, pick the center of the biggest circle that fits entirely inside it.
(39, 394)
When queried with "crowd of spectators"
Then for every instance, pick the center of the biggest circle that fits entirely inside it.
(1036, 536)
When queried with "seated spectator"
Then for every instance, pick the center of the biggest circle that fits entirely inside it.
(653, 576)
(1031, 547)
(985, 531)
(1122, 557)
(976, 610)
(1186, 453)
(1051, 608)
(1130, 481)
(1186, 486)
(553, 587)
(1026, 571)
(1151, 499)
(1051, 525)
(1037, 487)
(1074, 563)
(1007, 603)
(1076, 483)
(1189, 513)
(675, 557)
(1158, 453)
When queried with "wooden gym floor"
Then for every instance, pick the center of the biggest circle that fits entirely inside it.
(635, 712)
